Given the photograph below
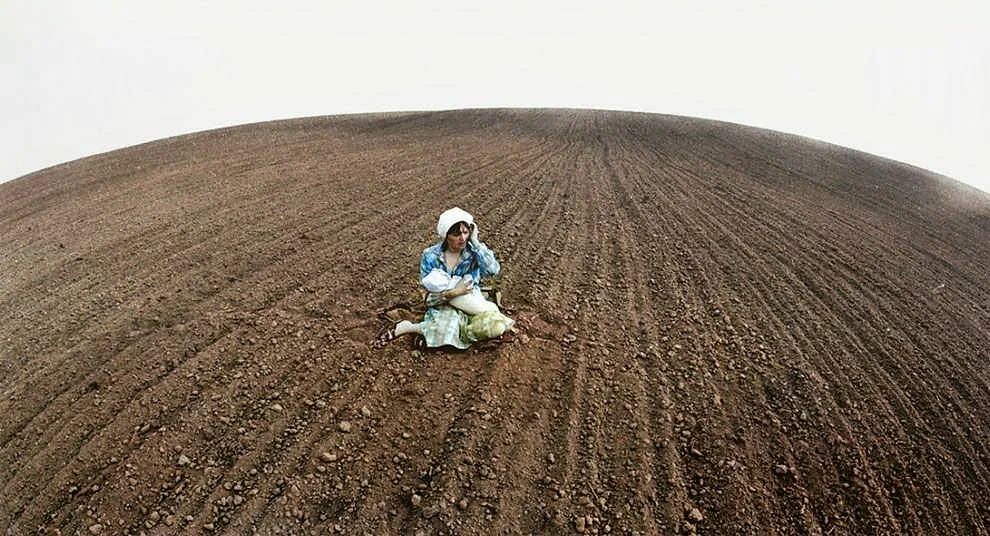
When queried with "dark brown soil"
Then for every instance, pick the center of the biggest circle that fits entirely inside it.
(724, 330)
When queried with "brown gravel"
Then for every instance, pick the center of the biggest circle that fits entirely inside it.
(722, 330)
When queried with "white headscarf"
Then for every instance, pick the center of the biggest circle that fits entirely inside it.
(450, 217)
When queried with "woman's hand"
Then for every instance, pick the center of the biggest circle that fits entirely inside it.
(462, 287)
(474, 232)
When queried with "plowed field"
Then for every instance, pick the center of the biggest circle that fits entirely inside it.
(723, 330)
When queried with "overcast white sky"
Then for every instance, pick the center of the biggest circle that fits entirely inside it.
(902, 79)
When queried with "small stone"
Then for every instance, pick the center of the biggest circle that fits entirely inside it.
(155, 516)
(328, 457)
(579, 524)
(416, 499)
(184, 460)
(462, 504)
(344, 426)
(365, 411)
(95, 529)
(781, 469)
(695, 515)
(170, 520)
(209, 526)
(551, 458)
(277, 407)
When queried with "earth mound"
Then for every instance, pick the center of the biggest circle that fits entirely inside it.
(723, 330)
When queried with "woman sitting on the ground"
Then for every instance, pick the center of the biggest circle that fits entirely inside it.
(457, 314)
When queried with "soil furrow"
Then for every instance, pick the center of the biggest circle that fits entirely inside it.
(721, 329)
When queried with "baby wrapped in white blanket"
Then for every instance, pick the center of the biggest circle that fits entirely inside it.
(471, 303)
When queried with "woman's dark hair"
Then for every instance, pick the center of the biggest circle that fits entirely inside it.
(456, 228)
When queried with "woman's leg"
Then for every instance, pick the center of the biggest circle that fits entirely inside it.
(401, 328)
(406, 326)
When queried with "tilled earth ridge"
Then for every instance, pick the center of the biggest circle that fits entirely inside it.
(723, 330)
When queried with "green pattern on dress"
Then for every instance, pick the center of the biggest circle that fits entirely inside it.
(486, 325)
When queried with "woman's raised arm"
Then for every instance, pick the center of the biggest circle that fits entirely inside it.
(486, 258)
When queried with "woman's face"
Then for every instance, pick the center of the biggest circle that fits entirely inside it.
(458, 239)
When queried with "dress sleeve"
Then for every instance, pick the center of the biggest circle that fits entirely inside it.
(433, 300)
(486, 259)
(425, 264)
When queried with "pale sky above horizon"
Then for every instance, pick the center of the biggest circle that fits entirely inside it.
(900, 79)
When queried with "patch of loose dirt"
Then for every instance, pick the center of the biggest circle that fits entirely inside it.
(725, 330)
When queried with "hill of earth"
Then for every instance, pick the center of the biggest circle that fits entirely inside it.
(722, 330)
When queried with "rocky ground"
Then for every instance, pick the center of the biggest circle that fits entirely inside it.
(722, 330)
